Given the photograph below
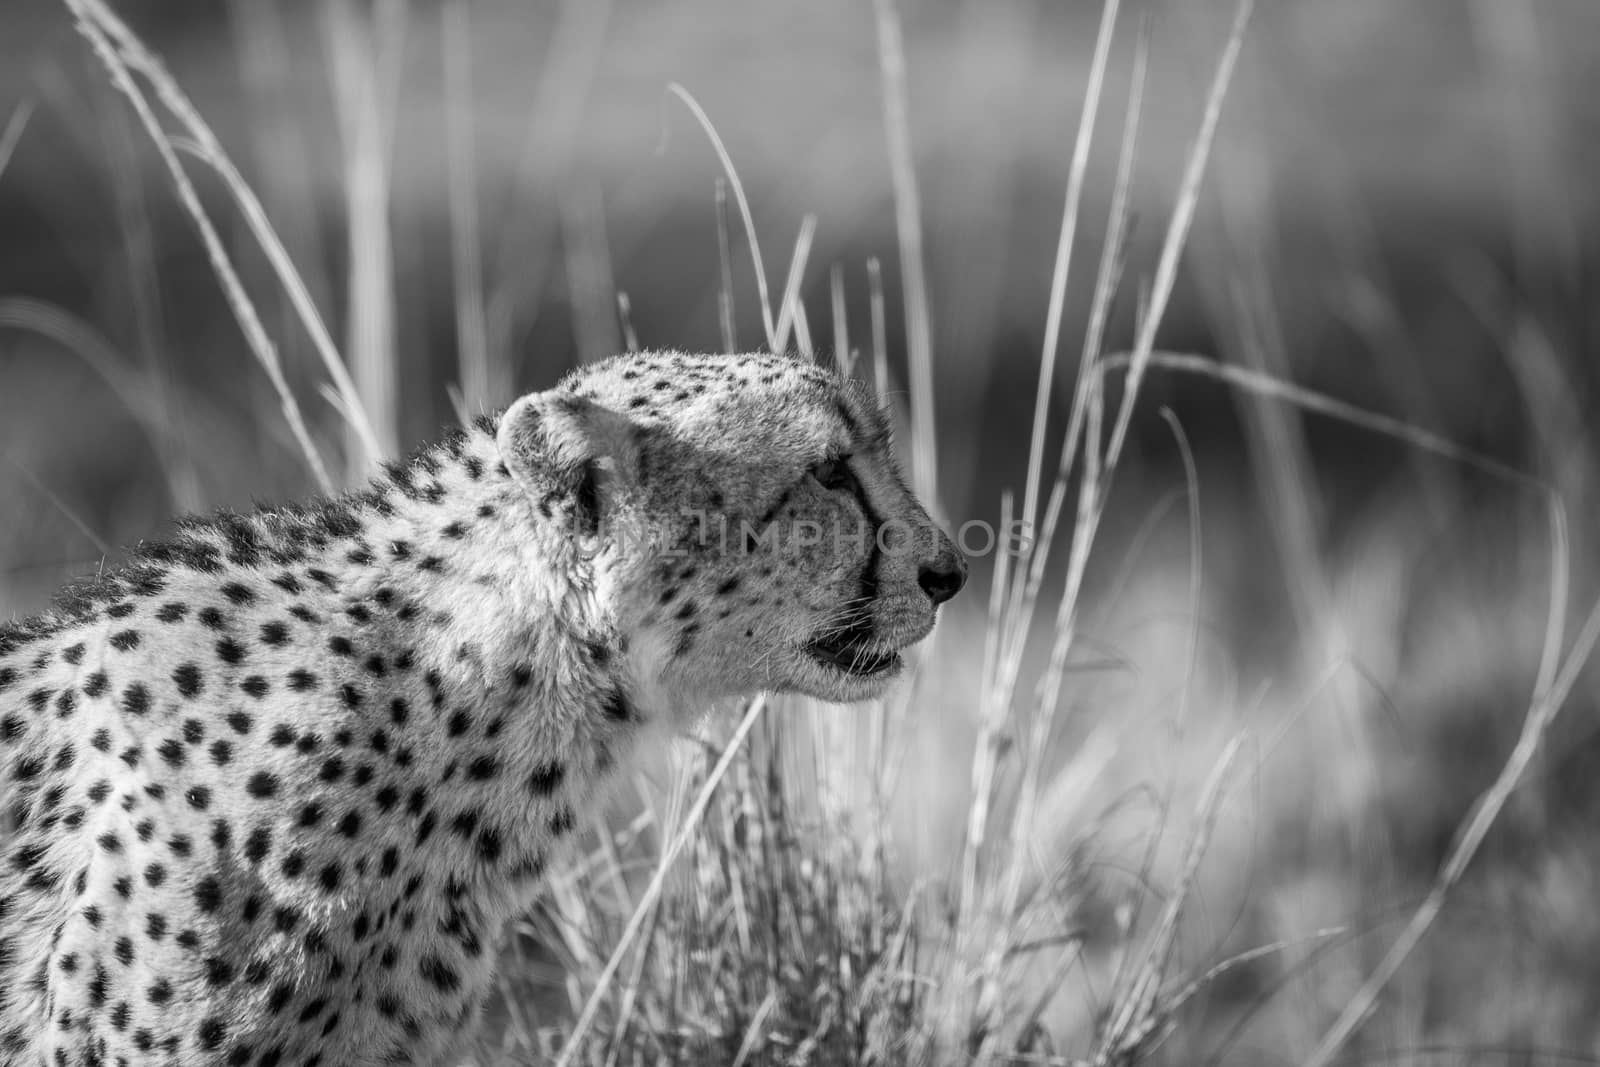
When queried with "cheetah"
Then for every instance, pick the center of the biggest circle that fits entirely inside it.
(271, 792)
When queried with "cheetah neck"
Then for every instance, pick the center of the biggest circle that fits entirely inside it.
(527, 701)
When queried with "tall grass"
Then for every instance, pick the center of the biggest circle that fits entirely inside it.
(746, 902)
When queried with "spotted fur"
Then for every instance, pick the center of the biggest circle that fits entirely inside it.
(270, 793)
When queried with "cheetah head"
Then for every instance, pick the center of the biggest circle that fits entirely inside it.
(747, 524)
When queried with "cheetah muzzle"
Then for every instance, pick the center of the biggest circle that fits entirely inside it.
(273, 791)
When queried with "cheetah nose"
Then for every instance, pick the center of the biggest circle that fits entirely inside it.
(943, 578)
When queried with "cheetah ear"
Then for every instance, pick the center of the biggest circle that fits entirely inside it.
(555, 443)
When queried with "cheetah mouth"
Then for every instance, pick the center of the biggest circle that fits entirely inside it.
(855, 651)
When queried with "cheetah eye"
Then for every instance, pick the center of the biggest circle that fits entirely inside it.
(834, 474)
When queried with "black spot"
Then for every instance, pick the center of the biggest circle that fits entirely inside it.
(293, 864)
(328, 878)
(238, 593)
(174, 612)
(399, 711)
(302, 680)
(74, 654)
(274, 633)
(561, 822)
(172, 752)
(221, 753)
(350, 825)
(350, 695)
(240, 722)
(438, 974)
(230, 651)
(310, 815)
(262, 785)
(211, 619)
(616, 706)
(97, 987)
(340, 645)
(188, 680)
(211, 1033)
(255, 686)
(489, 845)
(208, 894)
(126, 641)
(94, 685)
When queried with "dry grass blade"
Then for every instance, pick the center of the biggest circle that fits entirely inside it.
(362, 50)
(1555, 682)
(843, 358)
(93, 21)
(143, 399)
(913, 271)
(880, 329)
(1178, 230)
(66, 511)
(1137, 1005)
(11, 136)
(1063, 261)
(646, 905)
(986, 752)
(123, 52)
(1268, 387)
(466, 251)
(1108, 280)
(790, 312)
(630, 339)
(725, 318)
(739, 198)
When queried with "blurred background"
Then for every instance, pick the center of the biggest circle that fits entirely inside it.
(1400, 211)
